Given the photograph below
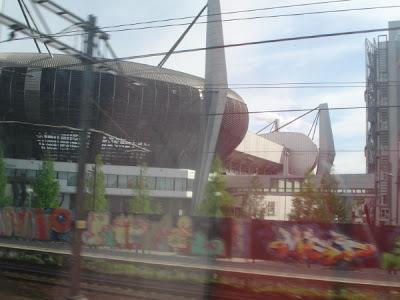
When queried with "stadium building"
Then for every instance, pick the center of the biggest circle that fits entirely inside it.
(151, 117)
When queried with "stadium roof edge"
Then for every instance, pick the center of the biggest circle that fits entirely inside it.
(139, 70)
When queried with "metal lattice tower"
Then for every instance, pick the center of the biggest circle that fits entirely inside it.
(377, 148)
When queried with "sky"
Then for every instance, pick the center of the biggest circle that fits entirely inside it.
(336, 59)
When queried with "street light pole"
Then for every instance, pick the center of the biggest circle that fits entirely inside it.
(80, 223)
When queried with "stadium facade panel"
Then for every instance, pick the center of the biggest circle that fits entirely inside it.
(149, 108)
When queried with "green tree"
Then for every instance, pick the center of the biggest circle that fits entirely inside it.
(46, 186)
(140, 203)
(217, 202)
(4, 199)
(334, 205)
(157, 208)
(318, 203)
(253, 201)
(96, 199)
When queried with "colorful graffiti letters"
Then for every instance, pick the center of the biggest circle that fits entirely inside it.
(37, 224)
(324, 247)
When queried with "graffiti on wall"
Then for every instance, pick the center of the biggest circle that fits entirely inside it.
(311, 244)
(329, 245)
(36, 224)
(140, 233)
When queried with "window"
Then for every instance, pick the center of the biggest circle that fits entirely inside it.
(150, 183)
(180, 184)
(385, 213)
(289, 186)
(165, 184)
(270, 208)
(21, 172)
(122, 181)
(10, 172)
(297, 186)
(190, 185)
(274, 186)
(62, 175)
(31, 173)
(132, 181)
(111, 181)
(72, 179)
(281, 186)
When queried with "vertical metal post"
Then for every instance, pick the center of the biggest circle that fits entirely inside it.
(94, 185)
(80, 224)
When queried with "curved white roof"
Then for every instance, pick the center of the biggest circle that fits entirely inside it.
(257, 146)
(303, 153)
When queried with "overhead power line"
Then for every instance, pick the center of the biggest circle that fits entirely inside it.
(235, 45)
(299, 83)
(304, 110)
(266, 87)
(209, 15)
(270, 41)
(314, 151)
(261, 42)
(315, 84)
(79, 32)
(257, 18)
(223, 13)
(318, 151)
(226, 13)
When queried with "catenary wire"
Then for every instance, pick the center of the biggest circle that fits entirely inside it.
(304, 110)
(256, 18)
(312, 151)
(146, 150)
(253, 43)
(209, 15)
(225, 13)
(75, 33)
(285, 85)
(269, 41)
(298, 109)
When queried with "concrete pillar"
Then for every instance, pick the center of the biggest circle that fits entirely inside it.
(215, 91)
(326, 143)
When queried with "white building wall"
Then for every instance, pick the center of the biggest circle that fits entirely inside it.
(283, 207)
(66, 189)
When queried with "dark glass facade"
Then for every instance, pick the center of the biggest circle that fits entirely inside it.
(161, 116)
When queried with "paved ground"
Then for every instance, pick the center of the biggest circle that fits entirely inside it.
(270, 268)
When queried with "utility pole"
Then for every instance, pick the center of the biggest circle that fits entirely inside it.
(80, 224)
